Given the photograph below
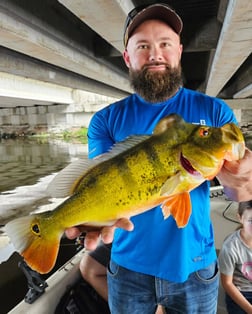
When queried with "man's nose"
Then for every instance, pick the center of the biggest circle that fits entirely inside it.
(155, 54)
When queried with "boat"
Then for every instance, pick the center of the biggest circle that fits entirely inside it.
(56, 286)
(60, 282)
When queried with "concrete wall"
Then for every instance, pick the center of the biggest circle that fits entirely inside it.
(58, 117)
(52, 118)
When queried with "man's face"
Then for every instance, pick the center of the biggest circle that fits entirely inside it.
(153, 56)
(153, 41)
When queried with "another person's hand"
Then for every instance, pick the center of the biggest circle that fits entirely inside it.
(93, 234)
(236, 177)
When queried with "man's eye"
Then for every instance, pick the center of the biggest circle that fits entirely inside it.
(166, 45)
(142, 47)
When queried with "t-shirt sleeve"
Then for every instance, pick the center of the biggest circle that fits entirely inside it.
(226, 262)
(99, 138)
(225, 114)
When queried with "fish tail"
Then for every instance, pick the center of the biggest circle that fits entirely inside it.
(39, 248)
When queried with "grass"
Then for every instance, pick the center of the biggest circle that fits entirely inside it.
(79, 135)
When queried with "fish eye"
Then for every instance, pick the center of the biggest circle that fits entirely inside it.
(35, 229)
(203, 132)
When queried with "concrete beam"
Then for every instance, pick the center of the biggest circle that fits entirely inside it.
(243, 104)
(20, 65)
(19, 34)
(205, 39)
(21, 91)
(234, 45)
(245, 92)
(106, 18)
(18, 87)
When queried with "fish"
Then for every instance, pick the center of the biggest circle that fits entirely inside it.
(136, 175)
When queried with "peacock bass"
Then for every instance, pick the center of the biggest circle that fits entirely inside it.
(136, 175)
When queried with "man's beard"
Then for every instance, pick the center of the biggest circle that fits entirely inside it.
(156, 86)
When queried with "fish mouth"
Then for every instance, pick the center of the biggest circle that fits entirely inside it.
(185, 163)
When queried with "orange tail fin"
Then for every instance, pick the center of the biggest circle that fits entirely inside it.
(39, 248)
(179, 206)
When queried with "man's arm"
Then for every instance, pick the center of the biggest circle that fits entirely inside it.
(236, 178)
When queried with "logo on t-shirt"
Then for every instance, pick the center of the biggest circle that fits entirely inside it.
(247, 270)
(202, 122)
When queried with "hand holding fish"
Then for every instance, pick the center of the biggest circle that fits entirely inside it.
(93, 236)
(236, 177)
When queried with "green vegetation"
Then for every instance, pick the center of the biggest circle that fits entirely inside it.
(79, 134)
(74, 135)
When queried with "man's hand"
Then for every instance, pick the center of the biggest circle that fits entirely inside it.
(236, 177)
(93, 234)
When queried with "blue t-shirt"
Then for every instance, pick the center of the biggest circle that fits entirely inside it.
(156, 246)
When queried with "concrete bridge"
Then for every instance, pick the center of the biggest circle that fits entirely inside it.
(61, 60)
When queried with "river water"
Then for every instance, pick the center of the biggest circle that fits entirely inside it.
(26, 168)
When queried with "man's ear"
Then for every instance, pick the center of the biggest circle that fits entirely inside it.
(181, 50)
(126, 58)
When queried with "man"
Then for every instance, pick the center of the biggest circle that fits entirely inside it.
(152, 261)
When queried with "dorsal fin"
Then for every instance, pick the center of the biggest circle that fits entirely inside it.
(167, 122)
(66, 182)
(121, 147)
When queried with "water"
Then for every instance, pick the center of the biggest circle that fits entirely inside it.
(26, 168)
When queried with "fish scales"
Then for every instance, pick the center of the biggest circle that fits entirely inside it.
(143, 176)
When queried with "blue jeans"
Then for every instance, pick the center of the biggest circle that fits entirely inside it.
(234, 308)
(135, 293)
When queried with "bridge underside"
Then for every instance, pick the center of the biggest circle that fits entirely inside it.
(50, 48)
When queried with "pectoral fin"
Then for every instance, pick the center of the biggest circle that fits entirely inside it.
(179, 206)
(171, 184)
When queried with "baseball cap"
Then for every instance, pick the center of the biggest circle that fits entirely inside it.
(158, 11)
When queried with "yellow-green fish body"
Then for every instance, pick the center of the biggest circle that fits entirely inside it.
(135, 176)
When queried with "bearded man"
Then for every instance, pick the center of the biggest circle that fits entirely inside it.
(156, 262)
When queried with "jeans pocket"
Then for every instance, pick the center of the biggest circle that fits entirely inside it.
(209, 273)
(113, 268)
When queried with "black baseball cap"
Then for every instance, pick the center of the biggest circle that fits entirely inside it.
(158, 11)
